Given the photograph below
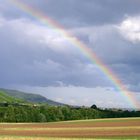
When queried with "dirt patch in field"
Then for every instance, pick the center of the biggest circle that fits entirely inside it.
(71, 125)
(125, 128)
(71, 133)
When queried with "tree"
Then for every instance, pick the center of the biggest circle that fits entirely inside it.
(10, 114)
(41, 117)
(93, 106)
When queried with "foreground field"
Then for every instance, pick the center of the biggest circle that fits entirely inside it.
(89, 129)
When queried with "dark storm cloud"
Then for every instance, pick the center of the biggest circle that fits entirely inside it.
(41, 58)
(89, 11)
(37, 57)
(80, 12)
(26, 57)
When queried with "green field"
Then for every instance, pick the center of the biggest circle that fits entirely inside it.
(121, 128)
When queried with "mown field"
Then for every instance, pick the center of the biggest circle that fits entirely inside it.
(123, 128)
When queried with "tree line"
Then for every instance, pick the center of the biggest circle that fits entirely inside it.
(46, 113)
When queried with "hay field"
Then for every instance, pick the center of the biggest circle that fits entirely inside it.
(122, 128)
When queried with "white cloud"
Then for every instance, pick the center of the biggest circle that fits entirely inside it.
(51, 58)
(59, 100)
(43, 63)
(37, 55)
(44, 36)
(130, 29)
(2, 21)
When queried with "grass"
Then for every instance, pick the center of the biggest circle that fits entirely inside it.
(101, 120)
(6, 98)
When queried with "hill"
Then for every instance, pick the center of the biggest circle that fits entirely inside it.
(29, 97)
(6, 98)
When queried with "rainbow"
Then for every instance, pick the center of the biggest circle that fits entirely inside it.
(43, 18)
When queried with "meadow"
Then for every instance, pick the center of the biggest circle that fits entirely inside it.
(120, 128)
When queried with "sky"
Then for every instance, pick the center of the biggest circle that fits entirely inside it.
(35, 57)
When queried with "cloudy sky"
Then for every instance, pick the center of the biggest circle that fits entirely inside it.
(35, 57)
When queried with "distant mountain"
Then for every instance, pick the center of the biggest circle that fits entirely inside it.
(5, 98)
(29, 97)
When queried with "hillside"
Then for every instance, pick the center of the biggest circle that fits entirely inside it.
(30, 97)
(6, 98)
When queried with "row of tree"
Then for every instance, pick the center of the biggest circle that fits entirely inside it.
(46, 113)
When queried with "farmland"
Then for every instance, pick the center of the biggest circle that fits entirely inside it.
(83, 129)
